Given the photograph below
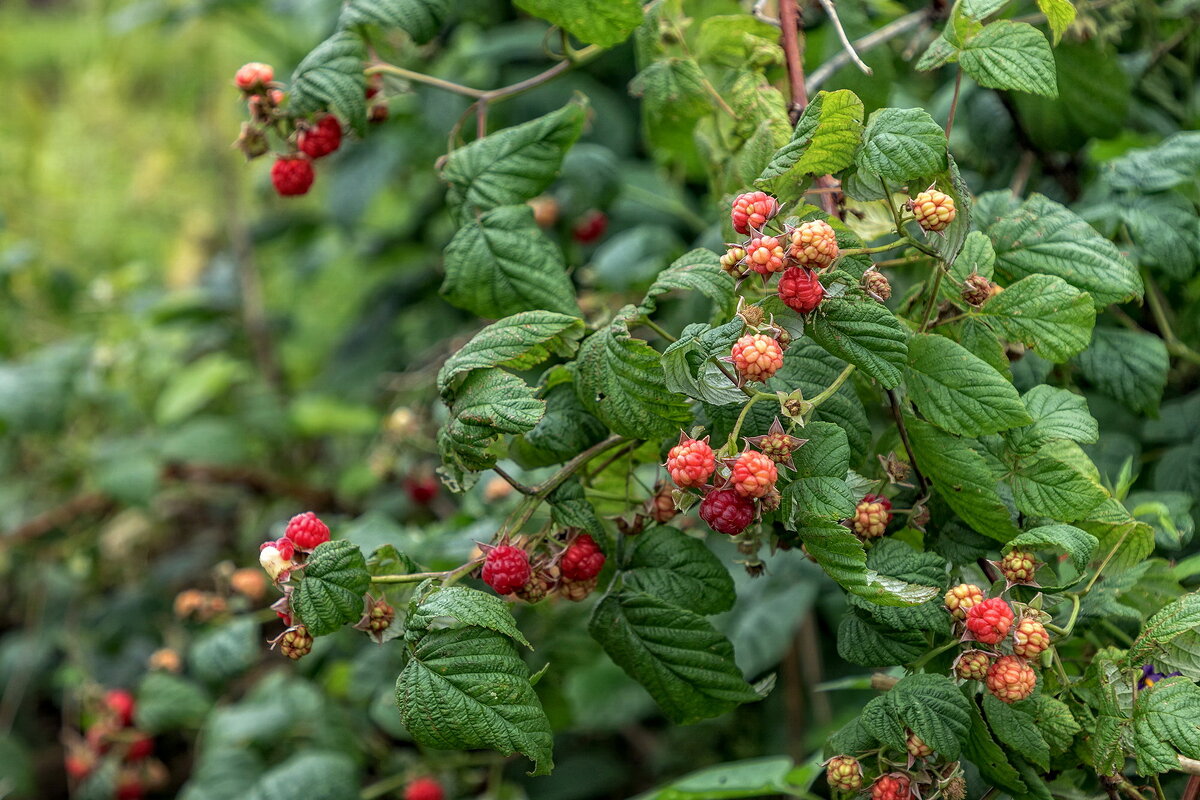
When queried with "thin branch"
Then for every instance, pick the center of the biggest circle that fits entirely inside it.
(93, 503)
(789, 25)
(847, 47)
(870, 41)
(954, 102)
(912, 459)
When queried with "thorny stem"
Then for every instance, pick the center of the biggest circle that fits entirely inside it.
(789, 27)
(1060, 669)
(513, 482)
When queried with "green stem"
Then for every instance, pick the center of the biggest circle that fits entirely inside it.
(830, 390)
(737, 428)
(1104, 563)
(1070, 626)
(654, 326)
(859, 251)
(1162, 319)
(931, 304)
(932, 654)
(949, 320)
(1060, 669)
(428, 80)
(733, 380)
(385, 786)
(448, 577)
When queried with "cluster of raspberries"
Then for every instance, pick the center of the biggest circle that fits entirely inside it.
(570, 570)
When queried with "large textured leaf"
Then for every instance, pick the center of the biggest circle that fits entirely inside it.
(328, 775)
(1057, 414)
(1044, 312)
(698, 270)
(1060, 14)
(225, 651)
(929, 705)
(500, 263)
(168, 702)
(865, 334)
(810, 368)
(514, 164)
(331, 590)
(681, 660)
(1015, 728)
(901, 144)
(756, 777)
(679, 569)
(1174, 160)
(1178, 617)
(420, 19)
(923, 568)
(620, 381)
(1042, 236)
(862, 641)
(824, 142)
(497, 400)
(993, 762)
(672, 88)
(331, 76)
(819, 487)
(518, 342)
(602, 22)
(689, 367)
(1045, 486)
(565, 430)
(1010, 55)
(455, 607)
(467, 688)
(1164, 725)
(840, 553)
(1128, 366)
(957, 391)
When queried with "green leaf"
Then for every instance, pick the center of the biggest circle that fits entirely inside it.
(518, 342)
(1010, 55)
(514, 164)
(962, 477)
(932, 707)
(500, 263)
(328, 775)
(198, 384)
(697, 270)
(941, 51)
(680, 570)
(168, 702)
(1077, 544)
(570, 508)
(1174, 160)
(902, 144)
(1045, 313)
(681, 660)
(957, 391)
(1164, 725)
(975, 335)
(809, 368)
(824, 142)
(976, 257)
(1176, 618)
(671, 89)
(865, 334)
(992, 761)
(1053, 719)
(467, 689)
(1128, 366)
(819, 487)
(840, 553)
(689, 367)
(757, 777)
(620, 380)
(1163, 226)
(454, 607)
(420, 19)
(863, 642)
(496, 400)
(1042, 236)
(979, 10)
(564, 431)
(331, 76)
(226, 651)
(1016, 729)
(1060, 14)
(899, 560)
(602, 22)
(331, 588)
(1057, 414)
(1044, 486)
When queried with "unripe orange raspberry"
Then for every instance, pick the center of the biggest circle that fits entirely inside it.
(916, 746)
(1030, 639)
(801, 290)
(933, 210)
(764, 255)
(296, 643)
(972, 665)
(577, 591)
(962, 597)
(253, 76)
(845, 773)
(876, 284)
(751, 211)
(1011, 679)
(691, 462)
(893, 786)
(661, 507)
(814, 244)
(989, 620)
(733, 261)
(977, 290)
(756, 357)
(545, 210)
(753, 474)
(872, 516)
(1018, 566)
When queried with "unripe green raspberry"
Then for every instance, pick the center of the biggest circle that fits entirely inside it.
(916, 746)
(972, 665)
(845, 773)
(1030, 639)
(962, 597)
(1018, 566)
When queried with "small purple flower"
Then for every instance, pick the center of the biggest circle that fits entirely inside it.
(1150, 676)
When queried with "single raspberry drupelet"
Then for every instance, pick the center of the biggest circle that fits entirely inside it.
(726, 511)
(845, 773)
(876, 284)
(977, 290)
(296, 643)
(814, 244)
(933, 210)
(962, 597)
(1011, 679)
(691, 462)
(800, 290)
(292, 175)
(307, 531)
(1030, 639)
(506, 568)
(989, 620)
(756, 357)
(321, 138)
(582, 560)
(253, 76)
(972, 665)
(752, 210)
(872, 516)
(916, 746)
(733, 261)
(424, 789)
(893, 786)
(764, 255)
(1018, 567)
(753, 474)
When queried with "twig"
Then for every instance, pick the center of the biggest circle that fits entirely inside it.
(513, 482)
(870, 41)
(954, 102)
(912, 459)
(789, 26)
(847, 47)
(1021, 175)
(92, 503)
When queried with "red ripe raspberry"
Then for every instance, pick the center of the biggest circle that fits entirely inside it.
(322, 138)
(139, 748)
(306, 531)
(296, 643)
(845, 773)
(962, 597)
(753, 474)
(876, 284)
(933, 209)
(752, 210)
(590, 227)
(421, 489)
(1018, 566)
(800, 290)
(872, 516)
(424, 789)
(989, 620)
(1011, 679)
(893, 786)
(582, 560)
(291, 175)
(916, 746)
(129, 787)
(732, 261)
(506, 568)
(1030, 638)
(726, 511)
(253, 76)
(121, 704)
(764, 255)
(756, 357)
(691, 462)
(814, 244)
(972, 665)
